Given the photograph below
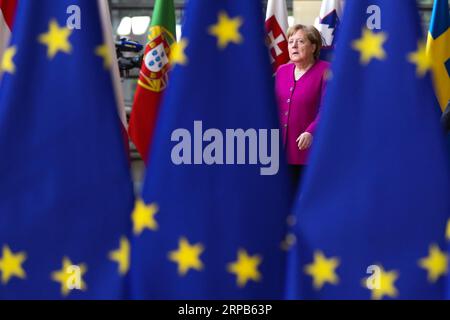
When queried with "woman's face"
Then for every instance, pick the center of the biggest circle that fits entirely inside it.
(300, 48)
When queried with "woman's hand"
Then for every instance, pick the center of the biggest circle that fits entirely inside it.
(304, 141)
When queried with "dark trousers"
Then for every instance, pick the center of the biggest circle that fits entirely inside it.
(296, 174)
(446, 118)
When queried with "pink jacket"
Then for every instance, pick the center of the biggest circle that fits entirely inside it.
(298, 105)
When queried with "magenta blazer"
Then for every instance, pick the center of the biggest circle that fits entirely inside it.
(298, 105)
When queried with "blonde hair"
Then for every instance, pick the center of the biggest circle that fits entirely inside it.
(312, 34)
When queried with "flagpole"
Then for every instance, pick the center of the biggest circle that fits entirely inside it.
(115, 75)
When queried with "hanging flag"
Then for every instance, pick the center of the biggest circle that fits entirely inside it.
(153, 78)
(438, 48)
(66, 193)
(375, 201)
(277, 27)
(328, 24)
(212, 219)
(7, 14)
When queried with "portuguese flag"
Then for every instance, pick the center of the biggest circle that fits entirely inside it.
(153, 77)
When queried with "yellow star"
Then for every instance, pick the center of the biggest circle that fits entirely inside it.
(386, 286)
(447, 232)
(56, 39)
(122, 256)
(7, 61)
(245, 268)
(104, 52)
(144, 217)
(177, 55)
(70, 276)
(436, 263)
(288, 242)
(322, 270)
(11, 265)
(370, 46)
(187, 256)
(226, 30)
(328, 76)
(421, 59)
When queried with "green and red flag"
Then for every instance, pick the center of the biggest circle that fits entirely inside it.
(153, 77)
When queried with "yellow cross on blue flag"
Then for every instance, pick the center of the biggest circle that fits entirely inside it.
(65, 190)
(438, 48)
(374, 205)
(212, 220)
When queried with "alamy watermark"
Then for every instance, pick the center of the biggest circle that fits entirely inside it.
(74, 278)
(234, 146)
(373, 282)
(374, 20)
(74, 19)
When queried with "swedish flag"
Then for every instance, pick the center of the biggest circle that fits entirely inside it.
(65, 190)
(211, 223)
(375, 201)
(438, 48)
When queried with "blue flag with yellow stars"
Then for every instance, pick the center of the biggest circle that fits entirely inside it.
(211, 222)
(65, 189)
(374, 205)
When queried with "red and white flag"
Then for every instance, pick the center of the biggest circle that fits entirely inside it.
(7, 13)
(277, 26)
(328, 24)
(329, 19)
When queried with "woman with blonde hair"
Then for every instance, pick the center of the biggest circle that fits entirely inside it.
(300, 87)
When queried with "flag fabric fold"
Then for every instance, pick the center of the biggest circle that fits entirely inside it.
(374, 205)
(108, 35)
(114, 68)
(66, 192)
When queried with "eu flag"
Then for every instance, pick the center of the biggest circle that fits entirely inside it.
(212, 219)
(65, 189)
(375, 201)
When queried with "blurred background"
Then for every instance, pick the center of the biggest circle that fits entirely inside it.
(132, 18)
